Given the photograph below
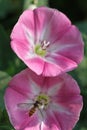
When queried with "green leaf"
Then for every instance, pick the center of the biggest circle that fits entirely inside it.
(85, 43)
(4, 121)
(5, 127)
(4, 79)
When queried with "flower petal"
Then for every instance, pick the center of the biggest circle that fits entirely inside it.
(30, 123)
(63, 108)
(12, 98)
(57, 64)
(51, 69)
(36, 64)
(50, 122)
(22, 43)
(67, 103)
(19, 117)
(53, 27)
(25, 22)
(22, 89)
(70, 45)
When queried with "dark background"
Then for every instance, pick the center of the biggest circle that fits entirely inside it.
(76, 10)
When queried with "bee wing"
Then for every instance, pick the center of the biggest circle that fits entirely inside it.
(24, 106)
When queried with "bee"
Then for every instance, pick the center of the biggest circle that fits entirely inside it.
(34, 108)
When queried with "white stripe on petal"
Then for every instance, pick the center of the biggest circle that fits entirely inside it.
(41, 115)
(34, 87)
(42, 125)
(56, 107)
(55, 47)
(30, 55)
(29, 36)
(54, 89)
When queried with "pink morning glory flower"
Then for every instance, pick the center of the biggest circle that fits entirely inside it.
(43, 103)
(46, 41)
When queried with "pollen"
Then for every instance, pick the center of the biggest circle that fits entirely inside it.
(43, 99)
(41, 49)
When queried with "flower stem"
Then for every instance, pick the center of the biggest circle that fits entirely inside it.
(35, 2)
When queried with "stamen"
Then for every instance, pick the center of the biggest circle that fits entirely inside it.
(44, 100)
(41, 49)
(45, 44)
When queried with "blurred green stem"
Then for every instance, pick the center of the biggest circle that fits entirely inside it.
(35, 2)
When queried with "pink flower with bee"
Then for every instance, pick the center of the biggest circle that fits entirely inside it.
(46, 41)
(43, 103)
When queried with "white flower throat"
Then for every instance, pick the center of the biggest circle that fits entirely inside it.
(41, 49)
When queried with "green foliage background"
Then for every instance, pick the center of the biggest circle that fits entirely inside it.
(10, 10)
